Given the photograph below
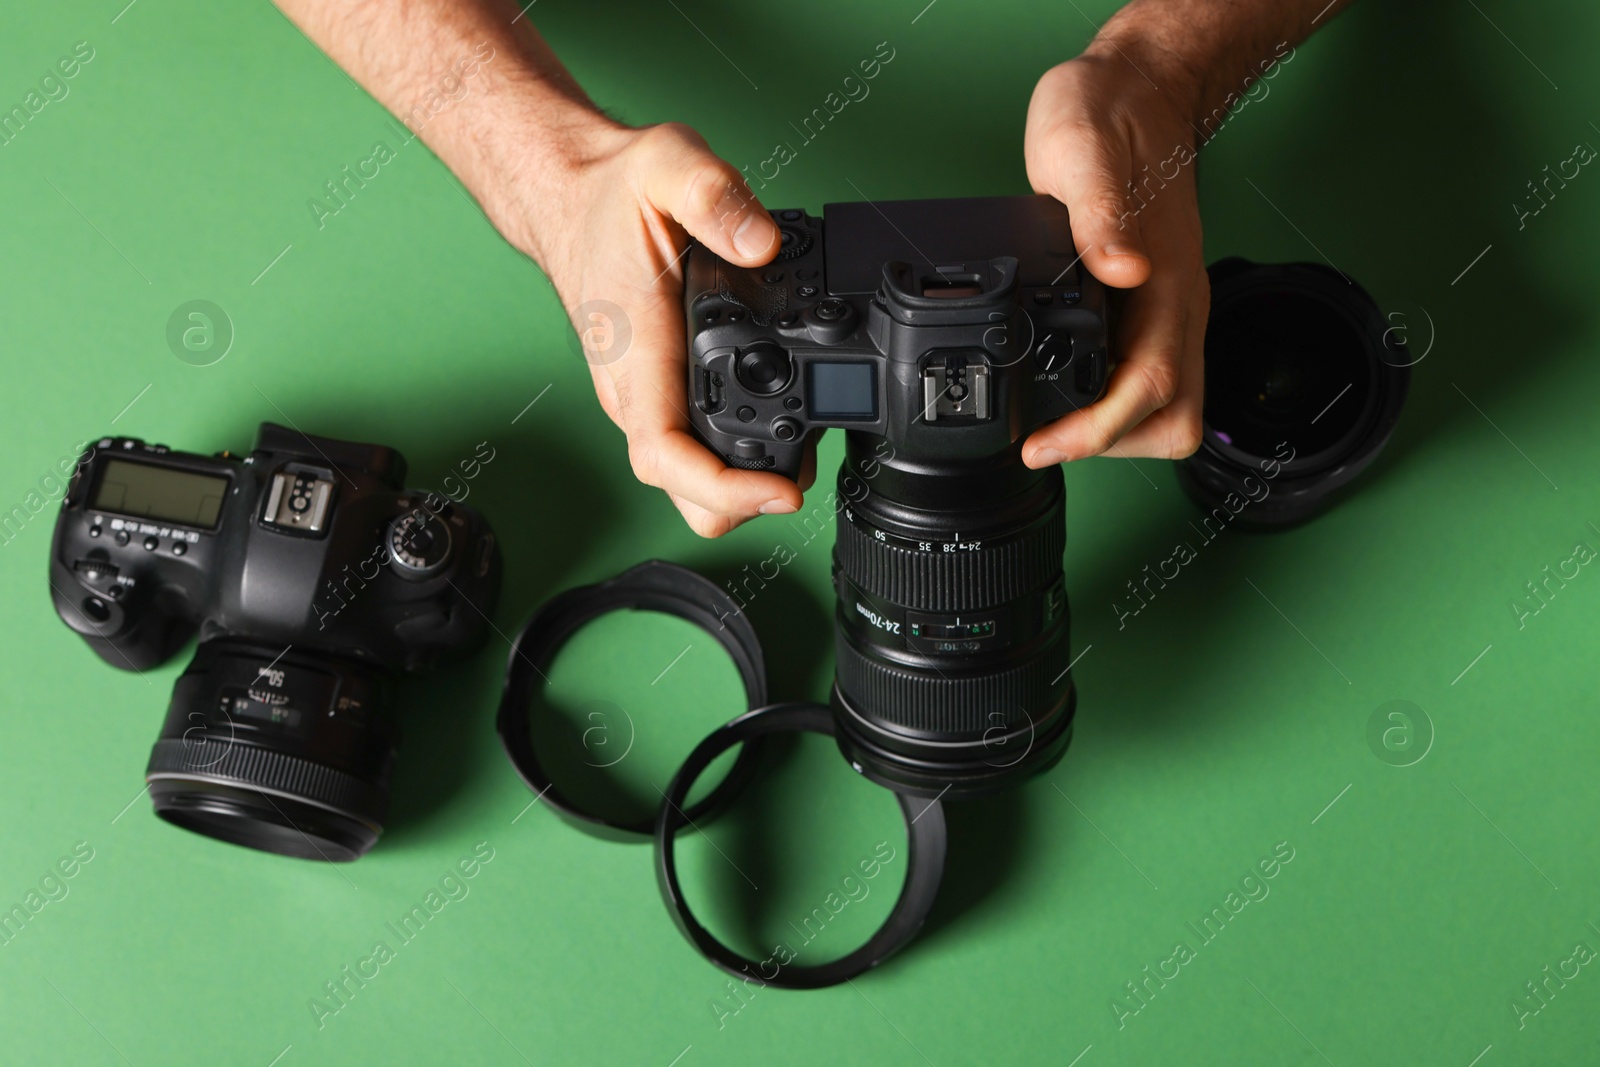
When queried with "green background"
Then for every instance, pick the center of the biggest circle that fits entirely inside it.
(1221, 721)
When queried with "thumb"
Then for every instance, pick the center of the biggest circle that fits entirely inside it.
(708, 197)
(1090, 175)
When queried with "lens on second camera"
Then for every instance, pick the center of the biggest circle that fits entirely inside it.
(276, 750)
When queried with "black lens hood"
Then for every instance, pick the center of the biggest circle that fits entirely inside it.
(925, 847)
(674, 590)
(652, 586)
(1297, 490)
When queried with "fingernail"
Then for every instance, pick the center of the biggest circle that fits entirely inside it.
(1121, 250)
(752, 237)
(1046, 456)
(776, 507)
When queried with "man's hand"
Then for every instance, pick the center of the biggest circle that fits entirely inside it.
(608, 210)
(1113, 135)
(614, 228)
(605, 209)
(1096, 124)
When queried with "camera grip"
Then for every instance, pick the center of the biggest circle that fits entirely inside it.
(150, 644)
(748, 453)
(131, 635)
(137, 644)
(774, 457)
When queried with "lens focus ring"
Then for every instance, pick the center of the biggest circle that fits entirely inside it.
(953, 581)
(274, 772)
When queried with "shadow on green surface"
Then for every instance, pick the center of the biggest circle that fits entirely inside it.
(986, 853)
(1414, 220)
(795, 627)
(447, 716)
(1419, 214)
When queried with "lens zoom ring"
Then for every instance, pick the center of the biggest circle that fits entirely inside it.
(273, 771)
(926, 700)
(953, 581)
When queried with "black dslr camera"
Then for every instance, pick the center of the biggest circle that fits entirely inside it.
(940, 333)
(312, 576)
(907, 323)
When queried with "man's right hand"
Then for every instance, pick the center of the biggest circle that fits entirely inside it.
(611, 230)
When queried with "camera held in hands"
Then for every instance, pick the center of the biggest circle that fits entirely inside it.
(951, 359)
(312, 577)
(940, 333)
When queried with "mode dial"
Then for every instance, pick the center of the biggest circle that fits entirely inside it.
(419, 544)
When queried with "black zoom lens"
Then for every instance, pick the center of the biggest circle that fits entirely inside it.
(951, 638)
(276, 750)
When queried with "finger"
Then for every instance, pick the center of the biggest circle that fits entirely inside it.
(605, 390)
(670, 458)
(1176, 430)
(708, 197)
(654, 413)
(808, 467)
(703, 522)
(1152, 337)
(1089, 171)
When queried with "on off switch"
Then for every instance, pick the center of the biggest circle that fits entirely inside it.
(1053, 352)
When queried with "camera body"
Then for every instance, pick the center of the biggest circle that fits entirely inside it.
(940, 333)
(949, 328)
(312, 576)
(307, 541)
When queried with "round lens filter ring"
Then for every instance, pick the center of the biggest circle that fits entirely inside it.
(652, 586)
(925, 847)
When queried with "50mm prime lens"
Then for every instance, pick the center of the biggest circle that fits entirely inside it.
(277, 750)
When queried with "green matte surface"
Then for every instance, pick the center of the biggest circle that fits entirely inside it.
(1229, 716)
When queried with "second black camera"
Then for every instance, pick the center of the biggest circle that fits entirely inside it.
(312, 576)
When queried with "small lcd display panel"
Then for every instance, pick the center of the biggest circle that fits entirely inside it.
(150, 492)
(843, 390)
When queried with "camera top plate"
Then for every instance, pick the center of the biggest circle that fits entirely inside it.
(951, 328)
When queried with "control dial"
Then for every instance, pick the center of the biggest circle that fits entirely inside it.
(795, 242)
(763, 369)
